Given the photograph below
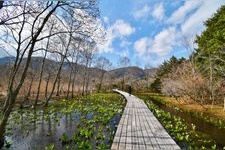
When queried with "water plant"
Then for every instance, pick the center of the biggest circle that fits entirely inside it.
(8, 144)
(64, 139)
(184, 134)
(95, 118)
(84, 145)
(102, 146)
(49, 147)
(85, 132)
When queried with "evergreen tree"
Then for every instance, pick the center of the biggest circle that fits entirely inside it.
(165, 69)
(211, 44)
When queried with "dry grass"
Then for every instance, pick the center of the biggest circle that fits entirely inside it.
(25, 88)
(216, 111)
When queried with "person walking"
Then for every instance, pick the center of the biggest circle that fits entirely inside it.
(129, 90)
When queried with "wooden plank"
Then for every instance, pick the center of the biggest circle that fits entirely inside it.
(139, 129)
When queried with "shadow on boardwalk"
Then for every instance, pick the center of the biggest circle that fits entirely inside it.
(139, 128)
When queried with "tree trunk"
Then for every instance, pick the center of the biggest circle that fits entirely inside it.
(11, 98)
(70, 78)
(84, 81)
(13, 92)
(101, 80)
(88, 81)
(54, 83)
(41, 75)
(1, 4)
(74, 75)
(73, 83)
(26, 98)
(59, 70)
(224, 105)
(42, 66)
(211, 82)
(58, 84)
(46, 86)
(30, 86)
(87, 76)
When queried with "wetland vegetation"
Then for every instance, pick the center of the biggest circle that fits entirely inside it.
(190, 129)
(87, 122)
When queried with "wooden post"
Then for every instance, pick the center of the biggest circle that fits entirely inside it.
(224, 105)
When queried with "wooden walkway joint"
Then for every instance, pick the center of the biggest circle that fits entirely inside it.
(139, 129)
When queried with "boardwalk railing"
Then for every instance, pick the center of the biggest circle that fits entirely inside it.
(139, 129)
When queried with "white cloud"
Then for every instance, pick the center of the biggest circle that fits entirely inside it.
(120, 29)
(146, 12)
(106, 45)
(125, 43)
(142, 45)
(142, 13)
(194, 24)
(158, 48)
(160, 45)
(179, 15)
(158, 12)
(164, 41)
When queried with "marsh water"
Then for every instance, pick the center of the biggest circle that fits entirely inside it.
(39, 133)
(45, 130)
(82, 123)
(206, 128)
(36, 129)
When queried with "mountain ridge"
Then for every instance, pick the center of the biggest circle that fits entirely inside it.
(133, 72)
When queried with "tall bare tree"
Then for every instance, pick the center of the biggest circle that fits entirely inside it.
(22, 27)
(103, 64)
(63, 55)
(24, 45)
(42, 65)
(124, 62)
(74, 55)
(89, 47)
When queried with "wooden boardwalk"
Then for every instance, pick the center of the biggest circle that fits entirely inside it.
(139, 128)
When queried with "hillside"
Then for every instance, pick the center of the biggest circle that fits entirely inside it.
(133, 72)
(6, 60)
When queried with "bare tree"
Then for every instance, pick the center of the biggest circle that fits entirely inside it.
(28, 89)
(1, 4)
(24, 45)
(103, 64)
(181, 82)
(75, 53)
(22, 28)
(50, 70)
(124, 62)
(208, 70)
(89, 47)
(63, 55)
(42, 64)
(149, 74)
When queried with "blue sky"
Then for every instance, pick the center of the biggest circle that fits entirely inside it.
(151, 31)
